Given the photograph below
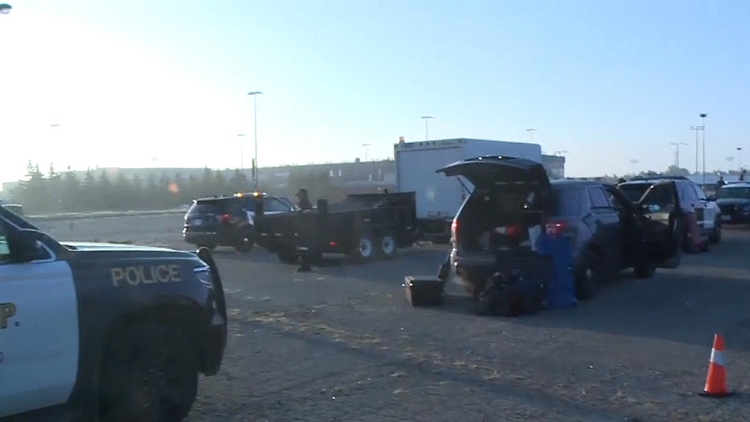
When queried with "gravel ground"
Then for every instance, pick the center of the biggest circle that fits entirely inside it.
(342, 343)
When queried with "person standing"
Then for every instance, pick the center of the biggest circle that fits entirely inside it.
(303, 200)
(720, 183)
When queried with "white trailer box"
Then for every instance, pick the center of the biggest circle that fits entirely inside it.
(439, 197)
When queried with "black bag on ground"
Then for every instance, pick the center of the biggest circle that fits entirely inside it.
(510, 295)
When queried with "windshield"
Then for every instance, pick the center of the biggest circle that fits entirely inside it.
(634, 191)
(725, 192)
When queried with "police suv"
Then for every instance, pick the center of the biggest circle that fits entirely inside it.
(104, 332)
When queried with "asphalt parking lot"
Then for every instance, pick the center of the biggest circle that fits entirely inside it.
(342, 343)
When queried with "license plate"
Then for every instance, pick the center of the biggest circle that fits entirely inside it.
(726, 218)
(197, 222)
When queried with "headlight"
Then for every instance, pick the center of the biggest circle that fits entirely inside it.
(204, 275)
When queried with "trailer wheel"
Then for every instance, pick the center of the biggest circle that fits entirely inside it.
(386, 246)
(363, 248)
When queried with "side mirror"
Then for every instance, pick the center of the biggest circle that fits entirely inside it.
(25, 245)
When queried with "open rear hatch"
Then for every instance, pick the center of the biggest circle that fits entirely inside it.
(507, 208)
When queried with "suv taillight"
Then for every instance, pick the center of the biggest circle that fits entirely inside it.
(454, 229)
(225, 218)
(556, 228)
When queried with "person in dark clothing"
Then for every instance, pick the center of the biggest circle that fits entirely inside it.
(303, 201)
(720, 183)
(743, 173)
(621, 180)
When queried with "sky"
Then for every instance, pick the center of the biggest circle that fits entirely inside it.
(164, 83)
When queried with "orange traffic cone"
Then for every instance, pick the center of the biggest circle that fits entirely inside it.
(716, 381)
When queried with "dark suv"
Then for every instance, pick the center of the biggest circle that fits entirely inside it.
(734, 201)
(228, 220)
(513, 202)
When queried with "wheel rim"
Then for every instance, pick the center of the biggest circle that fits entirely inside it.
(365, 247)
(388, 245)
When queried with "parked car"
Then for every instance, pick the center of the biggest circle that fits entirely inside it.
(734, 201)
(513, 201)
(707, 212)
(228, 220)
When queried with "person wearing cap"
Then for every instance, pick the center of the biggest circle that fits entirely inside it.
(303, 201)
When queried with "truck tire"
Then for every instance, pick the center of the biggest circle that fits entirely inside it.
(386, 246)
(363, 248)
(246, 242)
(149, 373)
(644, 270)
(586, 274)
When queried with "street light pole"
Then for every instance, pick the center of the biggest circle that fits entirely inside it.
(242, 151)
(703, 132)
(677, 153)
(697, 145)
(426, 128)
(634, 162)
(255, 128)
(531, 134)
(366, 146)
(739, 158)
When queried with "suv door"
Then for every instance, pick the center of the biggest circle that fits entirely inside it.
(604, 222)
(38, 330)
(659, 219)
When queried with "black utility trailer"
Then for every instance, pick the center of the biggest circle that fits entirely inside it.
(364, 227)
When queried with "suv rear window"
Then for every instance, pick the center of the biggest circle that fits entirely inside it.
(567, 202)
(215, 207)
(634, 191)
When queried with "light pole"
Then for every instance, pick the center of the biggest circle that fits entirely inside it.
(739, 158)
(729, 164)
(634, 162)
(255, 128)
(677, 153)
(703, 132)
(366, 146)
(426, 127)
(697, 145)
(5, 8)
(531, 134)
(242, 151)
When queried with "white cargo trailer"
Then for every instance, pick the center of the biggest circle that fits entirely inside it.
(439, 197)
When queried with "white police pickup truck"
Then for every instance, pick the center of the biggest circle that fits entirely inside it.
(104, 332)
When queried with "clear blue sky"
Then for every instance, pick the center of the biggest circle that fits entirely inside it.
(134, 81)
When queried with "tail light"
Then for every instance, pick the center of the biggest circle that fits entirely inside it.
(454, 229)
(225, 218)
(556, 228)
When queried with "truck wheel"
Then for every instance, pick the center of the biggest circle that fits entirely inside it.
(586, 275)
(386, 246)
(207, 246)
(644, 270)
(715, 236)
(245, 243)
(149, 373)
(363, 248)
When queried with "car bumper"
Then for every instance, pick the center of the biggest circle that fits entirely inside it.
(735, 217)
(201, 238)
(478, 268)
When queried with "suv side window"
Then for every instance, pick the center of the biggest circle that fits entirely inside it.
(598, 198)
(274, 205)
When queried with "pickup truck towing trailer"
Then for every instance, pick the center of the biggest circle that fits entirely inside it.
(364, 227)
(438, 197)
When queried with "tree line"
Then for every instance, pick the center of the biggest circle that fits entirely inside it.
(51, 191)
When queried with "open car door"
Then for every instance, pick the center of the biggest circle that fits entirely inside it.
(659, 220)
